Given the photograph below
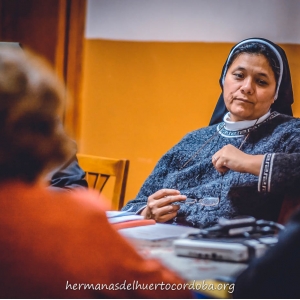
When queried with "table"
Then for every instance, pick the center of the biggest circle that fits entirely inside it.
(155, 241)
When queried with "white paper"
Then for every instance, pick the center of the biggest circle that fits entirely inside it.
(157, 232)
(122, 216)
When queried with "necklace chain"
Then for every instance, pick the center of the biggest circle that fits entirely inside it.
(245, 139)
(213, 136)
(195, 154)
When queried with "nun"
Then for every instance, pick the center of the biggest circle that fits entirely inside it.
(223, 170)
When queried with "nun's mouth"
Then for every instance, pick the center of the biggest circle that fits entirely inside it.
(243, 100)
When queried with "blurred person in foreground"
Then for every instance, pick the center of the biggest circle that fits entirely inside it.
(49, 240)
(68, 175)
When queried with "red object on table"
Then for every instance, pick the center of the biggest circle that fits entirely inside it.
(133, 223)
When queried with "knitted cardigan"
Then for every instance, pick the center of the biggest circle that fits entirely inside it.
(238, 192)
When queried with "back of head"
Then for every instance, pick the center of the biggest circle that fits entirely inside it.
(32, 138)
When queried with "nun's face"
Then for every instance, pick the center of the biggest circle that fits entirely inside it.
(249, 87)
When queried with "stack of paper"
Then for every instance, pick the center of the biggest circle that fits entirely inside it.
(157, 234)
(121, 216)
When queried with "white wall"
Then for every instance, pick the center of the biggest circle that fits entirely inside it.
(194, 20)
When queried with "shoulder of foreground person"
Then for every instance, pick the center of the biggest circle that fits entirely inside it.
(65, 248)
(124, 273)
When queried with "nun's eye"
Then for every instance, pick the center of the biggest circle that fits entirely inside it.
(238, 75)
(262, 82)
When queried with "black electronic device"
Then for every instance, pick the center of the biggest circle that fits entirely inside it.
(238, 240)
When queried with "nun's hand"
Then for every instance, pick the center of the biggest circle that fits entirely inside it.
(231, 158)
(159, 206)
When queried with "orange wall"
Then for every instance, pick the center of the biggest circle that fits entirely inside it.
(140, 98)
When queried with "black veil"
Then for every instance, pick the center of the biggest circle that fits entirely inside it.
(285, 99)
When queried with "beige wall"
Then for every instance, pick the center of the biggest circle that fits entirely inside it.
(140, 98)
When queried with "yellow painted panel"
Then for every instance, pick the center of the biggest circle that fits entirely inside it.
(140, 98)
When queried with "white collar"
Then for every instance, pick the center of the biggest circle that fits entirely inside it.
(239, 125)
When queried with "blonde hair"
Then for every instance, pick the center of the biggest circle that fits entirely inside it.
(31, 134)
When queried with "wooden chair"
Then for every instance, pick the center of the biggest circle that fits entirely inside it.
(289, 205)
(99, 169)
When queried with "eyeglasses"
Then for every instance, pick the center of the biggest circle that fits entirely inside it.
(205, 201)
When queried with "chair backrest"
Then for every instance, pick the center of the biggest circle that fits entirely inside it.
(99, 169)
(289, 205)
